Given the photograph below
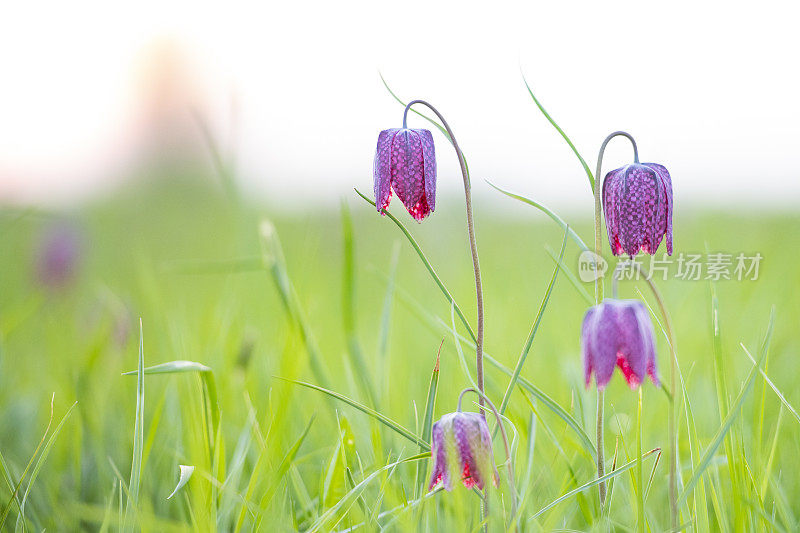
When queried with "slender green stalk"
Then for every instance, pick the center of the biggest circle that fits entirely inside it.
(473, 246)
(598, 290)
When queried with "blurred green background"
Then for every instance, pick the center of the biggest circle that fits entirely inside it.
(184, 257)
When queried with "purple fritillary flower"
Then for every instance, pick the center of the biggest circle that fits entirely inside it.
(618, 333)
(405, 161)
(462, 448)
(637, 200)
(58, 256)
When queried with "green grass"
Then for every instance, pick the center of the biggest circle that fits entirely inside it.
(297, 371)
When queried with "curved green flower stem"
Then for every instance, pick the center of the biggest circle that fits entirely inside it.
(673, 455)
(510, 460)
(472, 244)
(598, 291)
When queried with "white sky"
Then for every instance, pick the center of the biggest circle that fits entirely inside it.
(708, 89)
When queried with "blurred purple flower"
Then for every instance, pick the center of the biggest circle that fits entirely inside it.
(637, 200)
(59, 256)
(618, 332)
(405, 161)
(462, 448)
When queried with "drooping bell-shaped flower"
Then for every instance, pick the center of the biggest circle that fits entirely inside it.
(618, 333)
(462, 449)
(405, 161)
(637, 201)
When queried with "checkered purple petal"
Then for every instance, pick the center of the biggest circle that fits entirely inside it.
(382, 169)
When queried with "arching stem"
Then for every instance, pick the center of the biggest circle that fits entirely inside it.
(472, 244)
(598, 290)
(509, 459)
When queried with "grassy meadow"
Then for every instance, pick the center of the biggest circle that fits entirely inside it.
(341, 300)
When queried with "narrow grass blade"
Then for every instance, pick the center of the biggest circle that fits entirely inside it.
(546, 400)
(775, 389)
(534, 328)
(106, 524)
(209, 387)
(138, 441)
(42, 458)
(172, 367)
(14, 487)
(186, 472)
(570, 276)
(425, 261)
(432, 121)
(284, 466)
(221, 163)
(560, 131)
(459, 352)
(364, 409)
(351, 496)
(771, 458)
(624, 468)
(349, 307)
(386, 313)
(557, 219)
(274, 262)
(722, 431)
(427, 422)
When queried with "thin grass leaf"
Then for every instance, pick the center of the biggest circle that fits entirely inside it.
(138, 441)
(557, 219)
(14, 487)
(209, 390)
(425, 261)
(592, 483)
(723, 430)
(432, 121)
(172, 367)
(427, 422)
(771, 458)
(560, 131)
(186, 472)
(386, 313)
(556, 442)
(534, 328)
(526, 479)
(349, 306)
(428, 319)
(7, 473)
(775, 389)
(221, 164)
(106, 524)
(349, 498)
(274, 262)
(284, 466)
(364, 409)
(460, 353)
(572, 279)
(42, 458)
